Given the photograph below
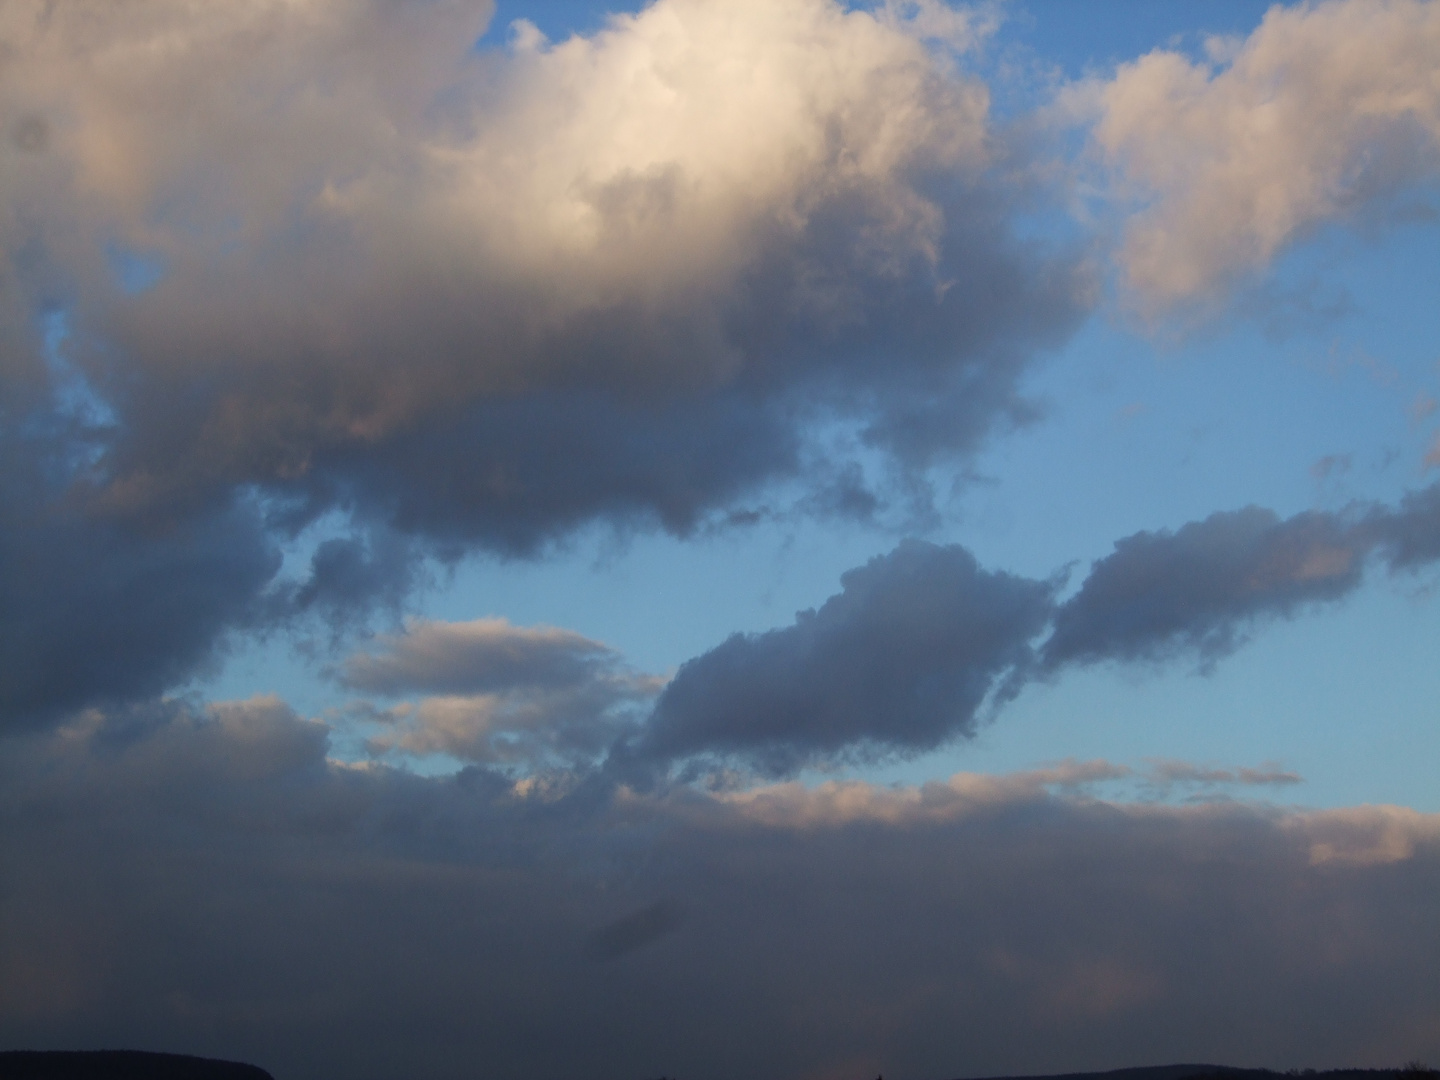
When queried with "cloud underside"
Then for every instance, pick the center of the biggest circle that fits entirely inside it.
(245, 895)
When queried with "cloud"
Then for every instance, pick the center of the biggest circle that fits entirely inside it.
(1196, 589)
(636, 930)
(258, 901)
(901, 659)
(102, 610)
(488, 297)
(534, 728)
(325, 259)
(1326, 112)
(1163, 776)
(496, 693)
(1409, 535)
(484, 654)
(351, 575)
(1183, 772)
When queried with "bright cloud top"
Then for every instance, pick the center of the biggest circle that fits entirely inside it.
(1325, 112)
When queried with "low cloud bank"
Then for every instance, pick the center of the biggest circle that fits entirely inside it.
(209, 882)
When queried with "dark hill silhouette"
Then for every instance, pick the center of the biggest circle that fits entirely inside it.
(140, 1065)
(1412, 1071)
(119, 1065)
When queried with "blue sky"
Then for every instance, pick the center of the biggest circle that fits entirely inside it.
(535, 532)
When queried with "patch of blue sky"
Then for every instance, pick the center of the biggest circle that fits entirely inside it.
(289, 664)
(556, 19)
(75, 397)
(661, 600)
(1143, 436)
(1349, 698)
(1080, 38)
(135, 272)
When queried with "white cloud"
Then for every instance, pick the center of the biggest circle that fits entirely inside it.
(361, 226)
(1325, 111)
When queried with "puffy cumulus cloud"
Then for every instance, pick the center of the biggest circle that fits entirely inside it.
(490, 296)
(1195, 589)
(1326, 111)
(211, 883)
(901, 659)
(534, 696)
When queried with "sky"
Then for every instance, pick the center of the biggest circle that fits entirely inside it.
(784, 538)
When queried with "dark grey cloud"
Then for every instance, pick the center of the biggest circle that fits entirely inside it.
(636, 930)
(100, 609)
(351, 575)
(1196, 590)
(900, 659)
(208, 882)
(628, 413)
(904, 656)
(1408, 535)
(511, 475)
